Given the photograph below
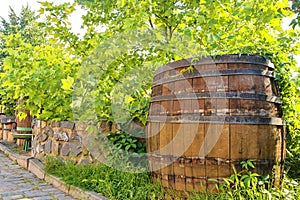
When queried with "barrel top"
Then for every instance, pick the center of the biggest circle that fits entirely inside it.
(232, 58)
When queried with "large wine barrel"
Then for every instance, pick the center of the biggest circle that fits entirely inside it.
(209, 114)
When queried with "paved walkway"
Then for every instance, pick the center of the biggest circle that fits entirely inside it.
(17, 183)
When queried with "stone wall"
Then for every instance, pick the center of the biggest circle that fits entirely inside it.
(60, 139)
(66, 139)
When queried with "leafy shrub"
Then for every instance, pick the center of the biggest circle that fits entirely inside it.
(249, 185)
(126, 142)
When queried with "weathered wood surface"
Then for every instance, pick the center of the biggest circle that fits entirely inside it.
(204, 121)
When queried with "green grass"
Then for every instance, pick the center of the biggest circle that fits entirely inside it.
(110, 182)
(116, 184)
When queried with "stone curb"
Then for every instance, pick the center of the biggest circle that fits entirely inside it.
(35, 166)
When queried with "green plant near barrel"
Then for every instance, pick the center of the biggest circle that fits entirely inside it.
(249, 185)
(126, 142)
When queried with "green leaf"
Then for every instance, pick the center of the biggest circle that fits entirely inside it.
(127, 147)
(67, 84)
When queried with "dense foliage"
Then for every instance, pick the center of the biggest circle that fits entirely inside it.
(29, 30)
(35, 76)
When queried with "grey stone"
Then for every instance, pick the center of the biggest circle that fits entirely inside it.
(91, 157)
(35, 131)
(44, 198)
(42, 137)
(40, 148)
(32, 193)
(56, 148)
(35, 166)
(76, 136)
(40, 156)
(61, 136)
(33, 146)
(81, 126)
(65, 150)
(49, 131)
(95, 196)
(36, 123)
(48, 146)
(84, 161)
(55, 124)
(75, 148)
(17, 196)
(67, 124)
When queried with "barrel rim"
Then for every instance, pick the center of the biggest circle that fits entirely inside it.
(219, 59)
(214, 73)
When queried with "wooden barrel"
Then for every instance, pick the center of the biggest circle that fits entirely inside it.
(23, 125)
(207, 115)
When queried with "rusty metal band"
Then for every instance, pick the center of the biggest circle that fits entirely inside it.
(225, 59)
(201, 160)
(211, 73)
(196, 118)
(217, 95)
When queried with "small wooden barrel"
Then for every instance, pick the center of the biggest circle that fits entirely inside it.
(23, 125)
(207, 115)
